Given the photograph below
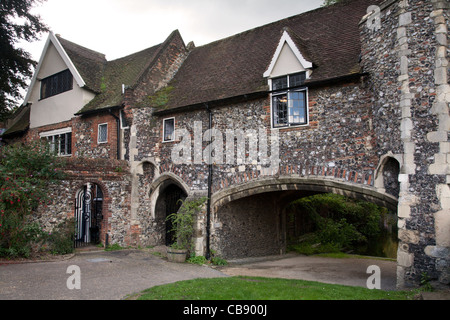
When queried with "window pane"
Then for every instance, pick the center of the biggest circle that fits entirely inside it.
(69, 142)
(56, 84)
(296, 80)
(297, 107)
(103, 133)
(62, 144)
(280, 116)
(169, 128)
(279, 83)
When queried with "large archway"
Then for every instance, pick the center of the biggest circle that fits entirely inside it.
(250, 219)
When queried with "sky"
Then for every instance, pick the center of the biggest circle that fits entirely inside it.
(117, 28)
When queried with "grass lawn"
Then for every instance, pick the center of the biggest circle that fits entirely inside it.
(256, 288)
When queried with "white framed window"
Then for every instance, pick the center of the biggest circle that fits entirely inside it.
(60, 141)
(169, 130)
(123, 120)
(102, 133)
(289, 101)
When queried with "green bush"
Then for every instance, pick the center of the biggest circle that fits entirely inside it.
(218, 261)
(183, 223)
(339, 223)
(197, 260)
(26, 170)
(60, 241)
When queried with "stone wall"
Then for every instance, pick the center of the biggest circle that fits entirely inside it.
(112, 177)
(85, 137)
(406, 57)
(339, 143)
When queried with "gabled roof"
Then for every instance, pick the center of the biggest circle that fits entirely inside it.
(294, 42)
(328, 37)
(123, 71)
(64, 56)
(126, 71)
(90, 64)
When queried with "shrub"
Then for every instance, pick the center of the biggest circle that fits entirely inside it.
(25, 173)
(197, 260)
(338, 223)
(61, 239)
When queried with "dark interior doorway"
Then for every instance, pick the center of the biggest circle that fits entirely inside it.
(173, 197)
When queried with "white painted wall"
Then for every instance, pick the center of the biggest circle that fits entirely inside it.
(58, 108)
(287, 63)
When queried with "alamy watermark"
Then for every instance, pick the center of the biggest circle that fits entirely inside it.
(232, 147)
(74, 281)
(374, 281)
(374, 19)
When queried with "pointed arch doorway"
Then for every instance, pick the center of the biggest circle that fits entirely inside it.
(168, 197)
(173, 197)
(88, 215)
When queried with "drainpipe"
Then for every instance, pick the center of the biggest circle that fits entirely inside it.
(118, 132)
(208, 208)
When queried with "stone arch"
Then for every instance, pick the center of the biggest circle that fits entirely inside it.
(160, 183)
(386, 179)
(165, 193)
(315, 185)
(250, 219)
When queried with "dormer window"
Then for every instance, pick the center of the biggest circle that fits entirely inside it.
(289, 101)
(56, 84)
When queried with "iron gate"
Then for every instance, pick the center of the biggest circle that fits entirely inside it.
(88, 215)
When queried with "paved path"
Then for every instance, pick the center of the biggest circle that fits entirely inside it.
(350, 271)
(117, 274)
(104, 276)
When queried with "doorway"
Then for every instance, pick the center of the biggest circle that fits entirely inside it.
(88, 215)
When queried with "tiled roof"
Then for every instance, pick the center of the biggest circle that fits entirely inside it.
(123, 71)
(90, 64)
(20, 122)
(108, 81)
(329, 37)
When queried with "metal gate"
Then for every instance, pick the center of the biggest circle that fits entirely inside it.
(88, 215)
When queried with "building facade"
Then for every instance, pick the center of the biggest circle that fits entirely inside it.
(300, 106)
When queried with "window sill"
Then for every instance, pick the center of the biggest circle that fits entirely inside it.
(292, 127)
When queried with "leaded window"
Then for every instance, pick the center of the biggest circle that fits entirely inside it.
(60, 144)
(102, 133)
(289, 101)
(56, 84)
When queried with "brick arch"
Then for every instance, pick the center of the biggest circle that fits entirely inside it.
(309, 184)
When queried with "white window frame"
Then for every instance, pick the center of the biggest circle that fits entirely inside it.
(54, 133)
(164, 130)
(286, 91)
(122, 120)
(98, 133)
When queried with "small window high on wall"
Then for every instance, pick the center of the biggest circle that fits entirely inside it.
(289, 101)
(102, 133)
(168, 130)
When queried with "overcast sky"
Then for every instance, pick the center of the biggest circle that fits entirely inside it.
(121, 27)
